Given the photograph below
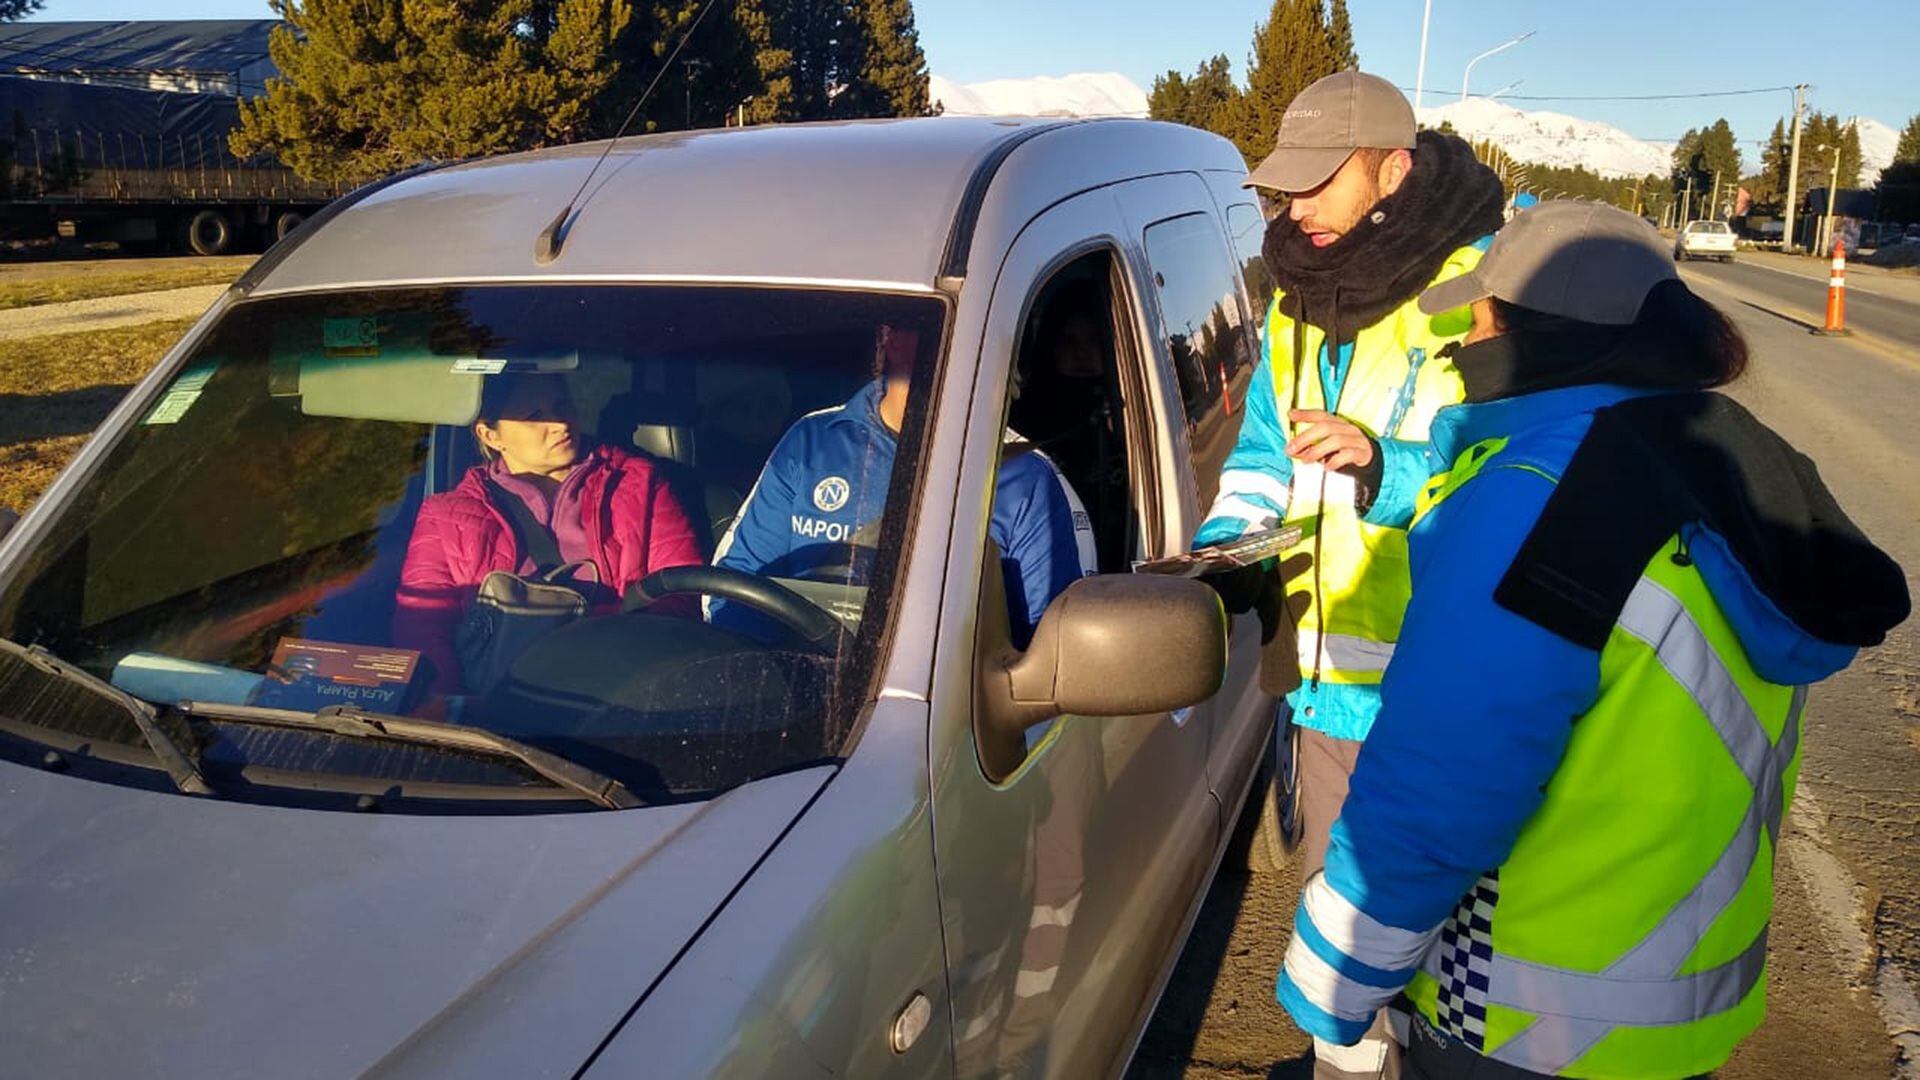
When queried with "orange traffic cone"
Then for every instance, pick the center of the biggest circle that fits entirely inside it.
(1837, 295)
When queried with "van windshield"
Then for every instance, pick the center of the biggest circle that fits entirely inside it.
(505, 508)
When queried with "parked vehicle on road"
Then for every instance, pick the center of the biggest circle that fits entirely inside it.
(239, 830)
(1704, 240)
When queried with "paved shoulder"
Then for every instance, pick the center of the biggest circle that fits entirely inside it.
(107, 312)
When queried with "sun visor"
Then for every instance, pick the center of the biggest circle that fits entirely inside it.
(391, 367)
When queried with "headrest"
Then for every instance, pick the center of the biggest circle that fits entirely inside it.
(672, 442)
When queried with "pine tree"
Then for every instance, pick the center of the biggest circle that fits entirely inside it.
(1769, 186)
(1199, 100)
(818, 40)
(1171, 99)
(1850, 162)
(1909, 148)
(1290, 52)
(367, 87)
(1340, 38)
(17, 9)
(1703, 155)
(890, 76)
(1898, 192)
(724, 64)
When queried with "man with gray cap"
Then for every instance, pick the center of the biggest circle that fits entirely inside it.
(1560, 834)
(1335, 430)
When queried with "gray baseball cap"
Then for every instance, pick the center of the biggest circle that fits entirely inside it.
(1326, 123)
(1579, 260)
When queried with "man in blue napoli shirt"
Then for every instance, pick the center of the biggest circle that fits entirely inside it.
(828, 476)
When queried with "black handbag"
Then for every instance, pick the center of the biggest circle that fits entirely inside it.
(512, 611)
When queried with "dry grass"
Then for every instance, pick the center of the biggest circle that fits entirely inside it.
(57, 290)
(55, 390)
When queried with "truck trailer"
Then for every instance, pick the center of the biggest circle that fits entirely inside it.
(119, 131)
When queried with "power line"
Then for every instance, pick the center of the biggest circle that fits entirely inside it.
(1640, 97)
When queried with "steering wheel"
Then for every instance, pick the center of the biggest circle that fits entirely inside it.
(821, 632)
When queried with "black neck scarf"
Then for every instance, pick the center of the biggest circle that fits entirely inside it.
(1449, 200)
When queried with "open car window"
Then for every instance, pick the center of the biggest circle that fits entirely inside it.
(304, 519)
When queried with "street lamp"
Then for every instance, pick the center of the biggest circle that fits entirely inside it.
(692, 66)
(1420, 80)
(1502, 47)
(1833, 184)
(1514, 85)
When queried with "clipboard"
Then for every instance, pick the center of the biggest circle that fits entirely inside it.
(1231, 555)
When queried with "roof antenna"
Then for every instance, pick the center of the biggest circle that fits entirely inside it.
(546, 247)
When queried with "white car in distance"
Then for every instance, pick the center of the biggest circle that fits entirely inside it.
(1704, 240)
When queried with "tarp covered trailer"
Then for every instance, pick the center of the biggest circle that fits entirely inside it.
(143, 167)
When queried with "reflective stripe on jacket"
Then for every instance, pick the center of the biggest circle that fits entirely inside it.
(1564, 856)
(1391, 381)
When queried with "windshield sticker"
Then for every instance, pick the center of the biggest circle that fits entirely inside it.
(477, 365)
(352, 335)
(311, 675)
(181, 395)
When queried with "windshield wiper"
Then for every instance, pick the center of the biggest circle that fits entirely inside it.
(358, 723)
(178, 766)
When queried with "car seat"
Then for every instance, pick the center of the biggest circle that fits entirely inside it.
(635, 419)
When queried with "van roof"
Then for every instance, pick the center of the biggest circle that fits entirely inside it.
(862, 202)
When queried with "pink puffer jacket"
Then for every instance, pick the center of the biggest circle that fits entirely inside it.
(634, 526)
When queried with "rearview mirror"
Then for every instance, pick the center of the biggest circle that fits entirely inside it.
(1113, 645)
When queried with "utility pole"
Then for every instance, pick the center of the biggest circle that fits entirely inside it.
(1686, 205)
(1713, 204)
(1793, 166)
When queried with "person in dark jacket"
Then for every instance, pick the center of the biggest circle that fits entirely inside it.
(602, 505)
(1559, 835)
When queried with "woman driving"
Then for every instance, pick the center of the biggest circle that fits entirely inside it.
(601, 507)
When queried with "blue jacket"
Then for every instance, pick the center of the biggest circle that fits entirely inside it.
(829, 476)
(1341, 710)
(1477, 691)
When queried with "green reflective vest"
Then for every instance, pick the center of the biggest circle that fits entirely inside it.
(1630, 937)
(1395, 382)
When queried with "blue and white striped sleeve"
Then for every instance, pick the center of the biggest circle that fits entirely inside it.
(1256, 483)
(1473, 723)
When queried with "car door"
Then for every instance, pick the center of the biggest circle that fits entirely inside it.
(1181, 259)
(1067, 883)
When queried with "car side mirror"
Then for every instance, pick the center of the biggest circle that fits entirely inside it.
(1109, 646)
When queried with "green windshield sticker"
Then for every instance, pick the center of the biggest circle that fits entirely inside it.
(181, 395)
(352, 335)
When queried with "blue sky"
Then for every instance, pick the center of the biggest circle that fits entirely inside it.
(1857, 54)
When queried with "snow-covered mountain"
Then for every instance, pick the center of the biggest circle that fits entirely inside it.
(1877, 145)
(1544, 138)
(1550, 138)
(1091, 94)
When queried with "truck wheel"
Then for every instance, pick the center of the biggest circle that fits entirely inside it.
(209, 233)
(286, 223)
(1264, 836)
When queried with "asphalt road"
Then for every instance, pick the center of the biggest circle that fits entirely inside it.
(1845, 951)
(1883, 306)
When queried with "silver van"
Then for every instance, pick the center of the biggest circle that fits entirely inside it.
(248, 827)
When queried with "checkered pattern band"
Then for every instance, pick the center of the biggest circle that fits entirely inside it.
(1466, 964)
